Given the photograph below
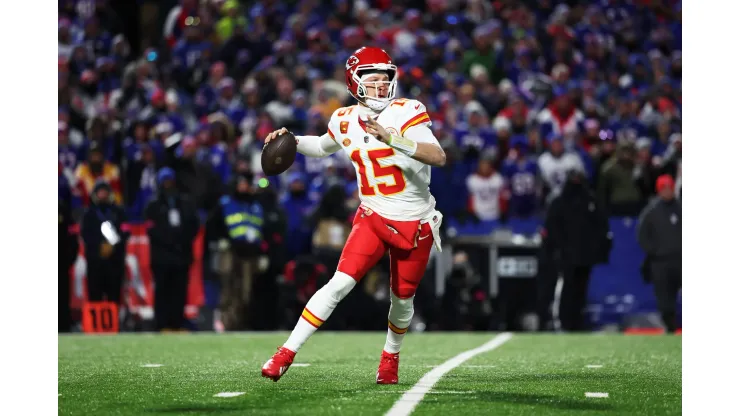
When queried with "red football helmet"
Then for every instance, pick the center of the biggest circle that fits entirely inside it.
(366, 61)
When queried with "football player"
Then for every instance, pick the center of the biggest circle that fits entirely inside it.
(391, 145)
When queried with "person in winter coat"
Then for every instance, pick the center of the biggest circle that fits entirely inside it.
(172, 225)
(659, 234)
(242, 219)
(577, 238)
(105, 234)
(67, 247)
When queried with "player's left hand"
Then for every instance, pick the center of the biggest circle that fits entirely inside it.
(377, 130)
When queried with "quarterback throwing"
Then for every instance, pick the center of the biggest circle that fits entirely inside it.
(392, 148)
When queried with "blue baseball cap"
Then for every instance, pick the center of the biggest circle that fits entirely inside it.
(164, 174)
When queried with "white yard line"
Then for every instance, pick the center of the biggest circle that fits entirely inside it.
(228, 394)
(463, 366)
(406, 404)
(597, 395)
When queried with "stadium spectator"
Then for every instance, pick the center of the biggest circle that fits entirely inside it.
(67, 247)
(555, 163)
(177, 20)
(194, 178)
(104, 233)
(483, 54)
(601, 149)
(486, 191)
(191, 55)
(561, 116)
(172, 224)
(96, 167)
(141, 175)
(659, 234)
(577, 238)
(230, 21)
(242, 220)
(646, 173)
(213, 140)
(515, 117)
(618, 190)
(522, 179)
(475, 136)
(69, 154)
(671, 158)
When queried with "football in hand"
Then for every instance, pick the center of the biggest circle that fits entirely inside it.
(279, 154)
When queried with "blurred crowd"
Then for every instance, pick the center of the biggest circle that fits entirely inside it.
(519, 92)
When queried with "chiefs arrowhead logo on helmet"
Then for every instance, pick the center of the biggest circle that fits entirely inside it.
(352, 61)
(364, 61)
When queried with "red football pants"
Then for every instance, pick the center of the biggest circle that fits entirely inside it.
(368, 241)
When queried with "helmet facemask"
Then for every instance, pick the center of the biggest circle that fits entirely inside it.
(373, 102)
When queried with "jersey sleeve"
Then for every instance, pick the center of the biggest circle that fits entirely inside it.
(411, 113)
(332, 129)
(421, 134)
(317, 146)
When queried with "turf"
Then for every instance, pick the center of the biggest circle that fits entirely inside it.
(530, 374)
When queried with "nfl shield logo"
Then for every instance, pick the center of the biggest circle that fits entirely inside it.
(367, 139)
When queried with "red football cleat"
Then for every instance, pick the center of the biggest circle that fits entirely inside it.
(278, 365)
(388, 369)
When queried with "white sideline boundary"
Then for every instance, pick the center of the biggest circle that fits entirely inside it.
(412, 397)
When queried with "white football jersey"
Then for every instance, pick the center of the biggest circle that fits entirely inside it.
(390, 183)
(485, 192)
(554, 170)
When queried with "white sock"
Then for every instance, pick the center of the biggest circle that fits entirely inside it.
(399, 319)
(319, 308)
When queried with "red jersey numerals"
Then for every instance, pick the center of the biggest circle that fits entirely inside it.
(345, 111)
(399, 182)
(399, 102)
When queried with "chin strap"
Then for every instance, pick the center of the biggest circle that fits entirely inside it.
(381, 104)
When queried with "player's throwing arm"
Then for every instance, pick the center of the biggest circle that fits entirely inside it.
(428, 153)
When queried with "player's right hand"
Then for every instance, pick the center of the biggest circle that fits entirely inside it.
(275, 134)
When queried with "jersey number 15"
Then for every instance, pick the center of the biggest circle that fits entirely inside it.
(399, 182)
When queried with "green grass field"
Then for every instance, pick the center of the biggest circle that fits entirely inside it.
(528, 375)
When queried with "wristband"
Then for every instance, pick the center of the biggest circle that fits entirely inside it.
(404, 145)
